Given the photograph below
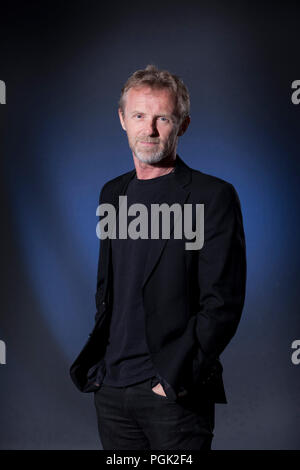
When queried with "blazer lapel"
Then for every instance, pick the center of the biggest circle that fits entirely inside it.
(176, 195)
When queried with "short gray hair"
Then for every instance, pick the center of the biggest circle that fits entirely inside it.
(155, 78)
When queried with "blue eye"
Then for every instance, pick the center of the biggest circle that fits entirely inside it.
(164, 118)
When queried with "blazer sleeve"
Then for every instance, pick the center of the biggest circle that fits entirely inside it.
(100, 268)
(221, 274)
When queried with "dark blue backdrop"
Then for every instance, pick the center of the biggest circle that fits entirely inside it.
(64, 65)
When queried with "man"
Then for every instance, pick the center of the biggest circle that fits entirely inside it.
(164, 313)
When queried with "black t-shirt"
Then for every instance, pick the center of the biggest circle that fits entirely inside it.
(127, 356)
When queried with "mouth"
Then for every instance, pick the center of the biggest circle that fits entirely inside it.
(148, 143)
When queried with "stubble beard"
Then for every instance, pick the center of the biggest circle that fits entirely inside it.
(147, 157)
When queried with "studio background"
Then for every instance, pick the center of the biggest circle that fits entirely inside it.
(64, 64)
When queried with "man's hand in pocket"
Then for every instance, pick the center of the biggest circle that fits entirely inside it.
(159, 390)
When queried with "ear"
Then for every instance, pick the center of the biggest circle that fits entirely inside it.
(121, 116)
(184, 125)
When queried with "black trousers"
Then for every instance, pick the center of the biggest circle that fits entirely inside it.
(136, 418)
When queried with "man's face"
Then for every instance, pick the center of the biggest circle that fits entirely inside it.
(151, 123)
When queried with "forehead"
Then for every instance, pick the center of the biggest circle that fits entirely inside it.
(146, 96)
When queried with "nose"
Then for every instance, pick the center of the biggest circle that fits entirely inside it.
(150, 128)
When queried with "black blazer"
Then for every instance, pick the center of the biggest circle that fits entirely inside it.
(193, 299)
